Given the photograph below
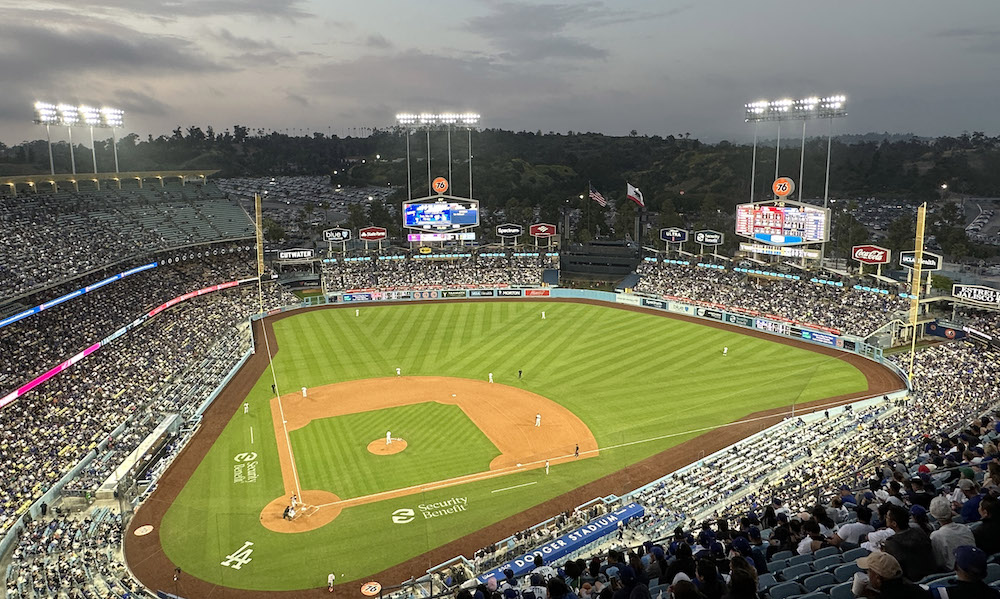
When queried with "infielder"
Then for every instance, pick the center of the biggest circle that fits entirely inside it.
(546, 466)
(388, 437)
(398, 371)
(329, 582)
(538, 419)
(491, 377)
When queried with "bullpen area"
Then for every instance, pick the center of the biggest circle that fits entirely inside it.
(496, 419)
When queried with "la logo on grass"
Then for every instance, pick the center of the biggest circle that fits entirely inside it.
(403, 515)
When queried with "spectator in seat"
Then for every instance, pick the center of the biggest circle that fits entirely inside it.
(970, 567)
(910, 546)
(969, 508)
(851, 533)
(885, 579)
(949, 536)
(987, 534)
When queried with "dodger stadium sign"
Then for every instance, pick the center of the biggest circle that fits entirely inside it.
(977, 294)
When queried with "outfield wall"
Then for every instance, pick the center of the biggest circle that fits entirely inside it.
(766, 323)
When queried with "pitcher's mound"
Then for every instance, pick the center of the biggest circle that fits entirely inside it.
(378, 446)
(310, 515)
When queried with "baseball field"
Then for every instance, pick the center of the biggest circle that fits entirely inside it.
(587, 391)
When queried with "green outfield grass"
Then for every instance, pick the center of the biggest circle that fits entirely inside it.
(641, 382)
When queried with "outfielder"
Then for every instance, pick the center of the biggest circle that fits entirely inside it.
(357, 312)
(246, 407)
(491, 377)
(725, 350)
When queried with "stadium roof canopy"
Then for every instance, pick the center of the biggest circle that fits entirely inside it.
(33, 182)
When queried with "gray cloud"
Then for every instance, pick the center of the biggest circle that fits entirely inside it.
(30, 53)
(172, 10)
(532, 32)
(980, 39)
(243, 43)
(378, 41)
(136, 102)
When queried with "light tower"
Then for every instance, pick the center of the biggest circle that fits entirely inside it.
(74, 116)
(805, 109)
(428, 121)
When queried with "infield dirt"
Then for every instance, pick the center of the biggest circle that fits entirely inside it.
(505, 414)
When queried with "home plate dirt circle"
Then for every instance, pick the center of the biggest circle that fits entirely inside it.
(378, 446)
(309, 517)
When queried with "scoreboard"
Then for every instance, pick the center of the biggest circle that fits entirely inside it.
(438, 216)
(783, 223)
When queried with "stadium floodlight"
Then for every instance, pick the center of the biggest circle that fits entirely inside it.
(46, 114)
(428, 121)
(69, 116)
(112, 117)
(811, 107)
(91, 116)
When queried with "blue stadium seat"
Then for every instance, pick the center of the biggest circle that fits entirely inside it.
(764, 582)
(814, 595)
(814, 582)
(854, 554)
(826, 552)
(846, 572)
(992, 573)
(782, 555)
(785, 590)
(777, 565)
(827, 563)
(842, 591)
(795, 572)
(800, 559)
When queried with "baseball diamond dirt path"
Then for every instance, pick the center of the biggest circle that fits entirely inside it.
(147, 561)
(506, 415)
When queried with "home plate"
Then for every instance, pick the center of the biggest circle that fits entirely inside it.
(453, 395)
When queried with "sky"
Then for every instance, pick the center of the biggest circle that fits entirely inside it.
(658, 67)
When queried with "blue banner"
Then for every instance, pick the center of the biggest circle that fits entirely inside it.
(654, 303)
(568, 543)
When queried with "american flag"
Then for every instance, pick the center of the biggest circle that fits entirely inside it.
(597, 197)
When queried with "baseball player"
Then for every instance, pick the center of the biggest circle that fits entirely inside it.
(519, 374)
(329, 581)
(246, 407)
(538, 419)
(546, 466)
(725, 350)
(357, 312)
(388, 437)
(576, 452)
(491, 377)
(398, 371)
(543, 314)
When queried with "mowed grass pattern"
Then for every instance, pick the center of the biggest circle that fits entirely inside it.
(332, 454)
(641, 382)
(628, 376)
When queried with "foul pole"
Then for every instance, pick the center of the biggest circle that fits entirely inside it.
(915, 285)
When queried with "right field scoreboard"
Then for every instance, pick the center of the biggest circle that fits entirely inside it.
(783, 222)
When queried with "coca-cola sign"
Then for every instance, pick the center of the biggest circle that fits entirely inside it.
(870, 254)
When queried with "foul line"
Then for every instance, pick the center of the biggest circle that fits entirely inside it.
(514, 487)
(450, 482)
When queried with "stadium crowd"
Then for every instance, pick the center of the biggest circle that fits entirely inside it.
(34, 344)
(842, 308)
(162, 366)
(394, 271)
(50, 238)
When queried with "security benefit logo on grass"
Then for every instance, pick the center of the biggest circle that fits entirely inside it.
(245, 468)
(436, 509)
